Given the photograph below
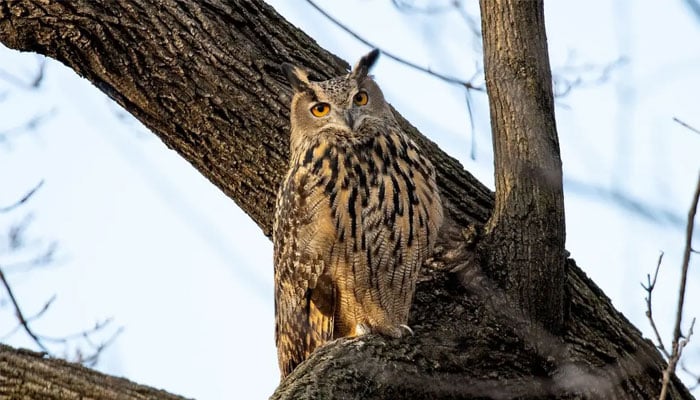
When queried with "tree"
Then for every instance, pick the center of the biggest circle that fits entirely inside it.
(204, 76)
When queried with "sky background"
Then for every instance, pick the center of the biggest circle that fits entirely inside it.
(144, 239)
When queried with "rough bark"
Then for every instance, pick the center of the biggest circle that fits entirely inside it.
(28, 375)
(204, 77)
(523, 246)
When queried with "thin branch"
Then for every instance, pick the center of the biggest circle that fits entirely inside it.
(17, 232)
(44, 258)
(686, 125)
(23, 199)
(43, 309)
(694, 7)
(33, 83)
(602, 76)
(443, 77)
(96, 349)
(20, 316)
(92, 359)
(679, 341)
(673, 361)
(686, 261)
(472, 151)
(469, 20)
(649, 288)
(30, 125)
(455, 5)
(695, 376)
(405, 6)
(65, 339)
(624, 201)
(30, 319)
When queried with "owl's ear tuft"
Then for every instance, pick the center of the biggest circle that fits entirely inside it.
(363, 66)
(297, 77)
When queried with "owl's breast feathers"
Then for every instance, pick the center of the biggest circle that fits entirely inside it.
(354, 222)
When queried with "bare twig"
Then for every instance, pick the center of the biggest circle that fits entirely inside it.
(44, 258)
(686, 260)
(454, 5)
(678, 347)
(17, 232)
(100, 325)
(563, 86)
(23, 199)
(92, 359)
(95, 349)
(649, 288)
(472, 151)
(406, 6)
(469, 20)
(686, 125)
(19, 314)
(680, 341)
(32, 318)
(29, 125)
(33, 83)
(695, 376)
(17, 242)
(694, 6)
(624, 201)
(443, 77)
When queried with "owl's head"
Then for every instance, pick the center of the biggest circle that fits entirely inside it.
(340, 106)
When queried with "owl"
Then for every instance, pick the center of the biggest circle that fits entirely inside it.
(356, 215)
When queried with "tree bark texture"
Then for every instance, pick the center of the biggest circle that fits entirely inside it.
(204, 76)
(523, 247)
(28, 375)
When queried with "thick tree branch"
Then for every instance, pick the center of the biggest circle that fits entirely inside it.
(204, 77)
(28, 375)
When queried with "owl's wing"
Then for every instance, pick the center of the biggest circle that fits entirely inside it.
(304, 291)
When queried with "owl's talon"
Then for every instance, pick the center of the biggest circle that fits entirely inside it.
(408, 329)
(362, 329)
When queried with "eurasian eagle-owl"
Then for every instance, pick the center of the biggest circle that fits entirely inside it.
(357, 214)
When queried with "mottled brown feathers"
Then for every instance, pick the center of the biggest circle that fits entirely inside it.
(357, 214)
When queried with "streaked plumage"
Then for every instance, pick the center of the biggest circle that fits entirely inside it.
(357, 214)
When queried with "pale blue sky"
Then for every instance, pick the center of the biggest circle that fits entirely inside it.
(145, 239)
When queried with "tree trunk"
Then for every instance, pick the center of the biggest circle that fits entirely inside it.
(523, 248)
(204, 76)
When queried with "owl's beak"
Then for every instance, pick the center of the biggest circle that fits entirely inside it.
(349, 119)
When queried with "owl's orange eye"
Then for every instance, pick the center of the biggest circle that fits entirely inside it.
(320, 109)
(360, 98)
